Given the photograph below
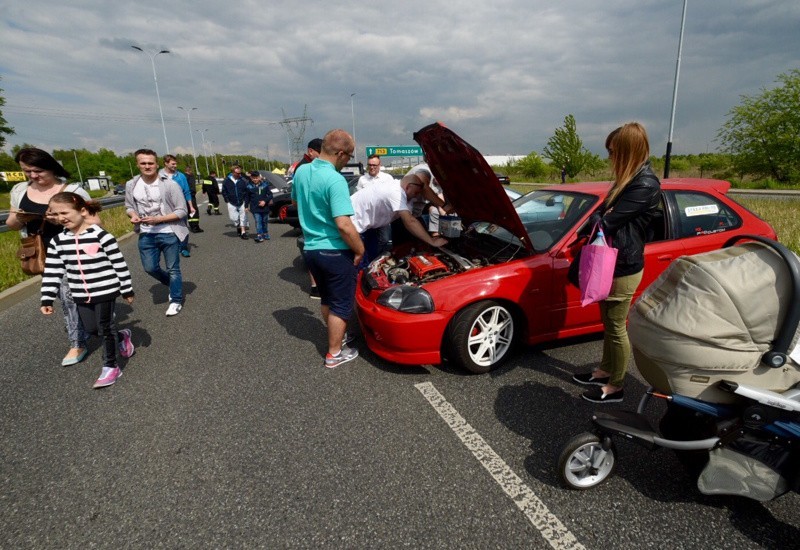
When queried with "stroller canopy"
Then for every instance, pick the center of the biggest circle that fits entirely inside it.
(713, 316)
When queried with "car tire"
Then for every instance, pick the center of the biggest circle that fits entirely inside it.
(481, 336)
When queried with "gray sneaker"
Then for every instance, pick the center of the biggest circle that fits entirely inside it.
(347, 354)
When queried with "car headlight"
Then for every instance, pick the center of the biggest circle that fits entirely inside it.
(408, 299)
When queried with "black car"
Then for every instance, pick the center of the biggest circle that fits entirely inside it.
(119, 189)
(503, 178)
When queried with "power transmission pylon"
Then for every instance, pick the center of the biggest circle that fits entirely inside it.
(296, 130)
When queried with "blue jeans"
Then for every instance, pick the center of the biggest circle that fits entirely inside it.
(261, 222)
(151, 245)
(75, 331)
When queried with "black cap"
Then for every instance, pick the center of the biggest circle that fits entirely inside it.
(315, 144)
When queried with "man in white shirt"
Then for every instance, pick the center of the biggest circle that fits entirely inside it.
(157, 209)
(375, 176)
(377, 206)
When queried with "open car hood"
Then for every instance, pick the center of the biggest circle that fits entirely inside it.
(468, 182)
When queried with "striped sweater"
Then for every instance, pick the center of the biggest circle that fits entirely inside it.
(96, 270)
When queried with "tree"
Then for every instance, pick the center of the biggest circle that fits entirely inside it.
(531, 166)
(565, 148)
(763, 133)
(4, 127)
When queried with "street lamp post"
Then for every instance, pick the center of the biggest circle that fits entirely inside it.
(205, 153)
(191, 135)
(158, 96)
(216, 165)
(353, 114)
(675, 94)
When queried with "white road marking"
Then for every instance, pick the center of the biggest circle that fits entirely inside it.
(551, 528)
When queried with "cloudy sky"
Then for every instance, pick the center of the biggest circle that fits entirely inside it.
(502, 74)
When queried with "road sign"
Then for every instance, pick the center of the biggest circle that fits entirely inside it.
(13, 176)
(395, 150)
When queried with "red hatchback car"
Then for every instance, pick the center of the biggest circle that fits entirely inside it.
(504, 279)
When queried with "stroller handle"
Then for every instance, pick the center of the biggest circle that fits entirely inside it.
(776, 357)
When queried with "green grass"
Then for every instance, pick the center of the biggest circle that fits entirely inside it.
(783, 215)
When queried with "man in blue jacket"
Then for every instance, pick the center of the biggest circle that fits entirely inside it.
(234, 191)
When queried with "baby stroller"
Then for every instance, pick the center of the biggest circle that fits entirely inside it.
(712, 336)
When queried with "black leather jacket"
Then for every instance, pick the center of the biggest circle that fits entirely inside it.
(627, 221)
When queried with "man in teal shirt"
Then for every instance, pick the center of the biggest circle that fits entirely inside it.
(332, 248)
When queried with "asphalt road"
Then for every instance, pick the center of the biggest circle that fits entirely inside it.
(226, 431)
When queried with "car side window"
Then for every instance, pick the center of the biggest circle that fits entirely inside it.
(702, 214)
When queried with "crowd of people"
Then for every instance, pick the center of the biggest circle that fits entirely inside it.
(342, 234)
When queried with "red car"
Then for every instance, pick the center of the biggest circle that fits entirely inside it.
(504, 280)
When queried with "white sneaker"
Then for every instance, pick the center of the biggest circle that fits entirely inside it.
(173, 309)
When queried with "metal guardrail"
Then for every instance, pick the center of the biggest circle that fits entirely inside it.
(106, 202)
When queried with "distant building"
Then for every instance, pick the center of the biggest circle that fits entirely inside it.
(502, 160)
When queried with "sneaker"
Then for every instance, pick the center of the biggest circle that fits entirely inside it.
(315, 293)
(347, 354)
(173, 309)
(185, 253)
(126, 347)
(266, 237)
(108, 376)
(595, 395)
(348, 338)
(258, 239)
(589, 379)
(244, 236)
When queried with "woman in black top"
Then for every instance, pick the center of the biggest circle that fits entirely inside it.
(29, 201)
(624, 217)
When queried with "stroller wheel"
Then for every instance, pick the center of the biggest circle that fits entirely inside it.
(584, 463)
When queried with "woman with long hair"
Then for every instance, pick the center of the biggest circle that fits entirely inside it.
(625, 217)
(29, 208)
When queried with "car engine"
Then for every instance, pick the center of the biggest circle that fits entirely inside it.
(419, 267)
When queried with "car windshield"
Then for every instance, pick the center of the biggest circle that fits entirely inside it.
(546, 215)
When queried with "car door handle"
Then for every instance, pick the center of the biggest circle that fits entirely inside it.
(665, 258)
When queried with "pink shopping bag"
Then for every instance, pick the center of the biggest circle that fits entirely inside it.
(596, 270)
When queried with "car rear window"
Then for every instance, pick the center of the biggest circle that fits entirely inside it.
(702, 214)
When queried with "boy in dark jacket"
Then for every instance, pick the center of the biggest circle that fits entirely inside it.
(259, 197)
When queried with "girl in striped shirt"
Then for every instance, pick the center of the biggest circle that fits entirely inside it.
(96, 274)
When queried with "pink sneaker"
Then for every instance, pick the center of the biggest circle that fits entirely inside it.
(126, 348)
(108, 376)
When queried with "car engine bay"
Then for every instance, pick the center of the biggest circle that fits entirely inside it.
(420, 265)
